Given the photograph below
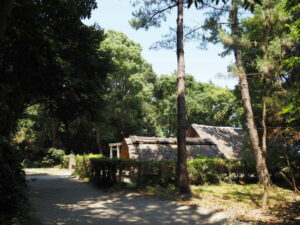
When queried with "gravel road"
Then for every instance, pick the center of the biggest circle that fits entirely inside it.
(59, 199)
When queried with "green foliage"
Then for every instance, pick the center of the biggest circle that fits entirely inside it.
(12, 184)
(136, 102)
(54, 156)
(109, 172)
(83, 165)
(130, 86)
(205, 104)
(151, 13)
(292, 7)
(276, 48)
(65, 161)
(293, 108)
(213, 171)
(270, 49)
(94, 156)
(278, 154)
(143, 16)
(42, 61)
(203, 172)
(24, 217)
(47, 56)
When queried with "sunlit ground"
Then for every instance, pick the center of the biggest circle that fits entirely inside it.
(244, 201)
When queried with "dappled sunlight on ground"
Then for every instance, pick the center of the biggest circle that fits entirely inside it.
(64, 200)
(243, 202)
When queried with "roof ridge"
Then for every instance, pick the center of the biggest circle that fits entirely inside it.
(210, 126)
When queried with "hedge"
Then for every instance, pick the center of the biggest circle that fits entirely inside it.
(213, 171)
(65, 161)
(108, 172)
(83, 167)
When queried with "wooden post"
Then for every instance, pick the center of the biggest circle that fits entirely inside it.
(110, 152)
(118, 152)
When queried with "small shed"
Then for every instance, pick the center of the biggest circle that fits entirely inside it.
(155, 148)
(228, 140)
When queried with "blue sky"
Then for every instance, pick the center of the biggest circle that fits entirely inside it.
(204, 65)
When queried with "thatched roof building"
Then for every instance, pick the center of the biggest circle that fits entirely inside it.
(154, 148)
(210, 141)
(229, 140)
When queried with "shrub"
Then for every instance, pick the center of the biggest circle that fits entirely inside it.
(53, 157)
(203, 171)
(108, 172)
(83, 165)
(213, 171)
(65, 160)
(277, 155)
(64, 163)
(13, 185)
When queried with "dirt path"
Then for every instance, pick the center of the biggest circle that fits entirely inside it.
(60, 199)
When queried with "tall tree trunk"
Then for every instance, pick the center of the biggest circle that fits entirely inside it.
(265, 74)
(263, 118)
(5, 11)
(264, 140)
(98, 139)
(261, 165)
(54, 133)
(294, 186)
(182, 173)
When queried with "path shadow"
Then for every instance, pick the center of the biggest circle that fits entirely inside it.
(68, 201)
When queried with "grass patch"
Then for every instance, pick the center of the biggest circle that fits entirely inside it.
(238, 201)
(248, 195)
(244, 201)
(166, 193)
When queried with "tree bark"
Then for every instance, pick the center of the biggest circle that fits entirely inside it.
(54, 133)
(294, 186)
(182, 173)
(5, 11)
(265, 74)
(287, 180)
(98, 139)
(263, 118)
(261, 165)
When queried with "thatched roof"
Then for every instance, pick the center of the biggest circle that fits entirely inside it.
(158, 140)
(229, 140)
(154, 148)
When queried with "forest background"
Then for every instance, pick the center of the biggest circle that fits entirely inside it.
(70, 86)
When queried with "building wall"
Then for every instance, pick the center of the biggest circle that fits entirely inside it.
(124, 154)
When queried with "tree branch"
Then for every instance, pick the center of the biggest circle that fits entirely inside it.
(216, 8)
(159, 12)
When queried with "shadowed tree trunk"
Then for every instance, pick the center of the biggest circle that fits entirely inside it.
(98, 139)
(263, 118)
(264, 90)
(261, 165)
(5, 11)
(54, 133)
(183, 178)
